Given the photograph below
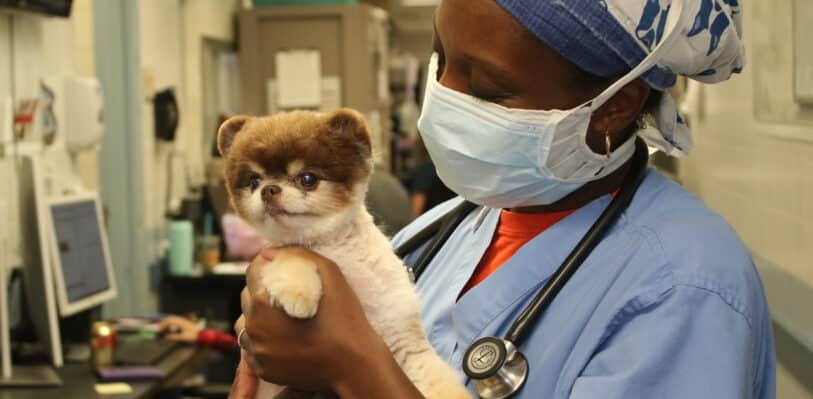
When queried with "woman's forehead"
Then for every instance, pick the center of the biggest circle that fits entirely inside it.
(483, 31)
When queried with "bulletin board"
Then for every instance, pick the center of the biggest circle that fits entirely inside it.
(782, 62)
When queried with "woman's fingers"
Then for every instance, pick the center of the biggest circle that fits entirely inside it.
(312, 353)
(269, 252)
(245, 304)
(176, 337)
(240, 333)
(289, 393)
(168, 321)
(254, 275)
(254, 270)
(175, 328)
(239, 324)
(245, 382)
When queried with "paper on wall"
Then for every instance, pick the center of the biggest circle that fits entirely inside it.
(331, 95)
(299, 78)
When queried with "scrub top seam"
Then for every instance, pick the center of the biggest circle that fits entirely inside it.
(748, 321)
(697, 280)
(651, 298)
(723, 298)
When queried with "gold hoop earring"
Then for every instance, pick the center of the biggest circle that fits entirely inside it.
(608, 143)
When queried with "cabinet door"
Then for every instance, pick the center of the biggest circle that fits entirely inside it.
(339, 33)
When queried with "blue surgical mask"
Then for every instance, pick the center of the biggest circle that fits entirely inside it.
(503, 157)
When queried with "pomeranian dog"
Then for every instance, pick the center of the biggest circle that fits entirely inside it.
(300, 178)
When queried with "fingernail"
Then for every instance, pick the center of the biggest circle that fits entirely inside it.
(270, 253)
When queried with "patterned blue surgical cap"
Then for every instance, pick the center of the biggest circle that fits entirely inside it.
(610, 37)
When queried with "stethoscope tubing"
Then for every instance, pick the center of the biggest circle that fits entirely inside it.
(522, 325)
(441, 230)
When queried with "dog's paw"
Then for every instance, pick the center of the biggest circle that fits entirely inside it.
(300, 302)
(293, 283)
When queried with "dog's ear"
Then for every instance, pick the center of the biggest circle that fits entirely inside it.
(228, 131)
(350, 124)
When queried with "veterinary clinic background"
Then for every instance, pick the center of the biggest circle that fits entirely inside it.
(406, 198)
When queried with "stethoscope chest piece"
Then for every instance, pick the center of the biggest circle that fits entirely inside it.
(497, 369)
(495, 366)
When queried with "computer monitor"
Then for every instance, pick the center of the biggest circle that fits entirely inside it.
(79, 253)
(38, 281)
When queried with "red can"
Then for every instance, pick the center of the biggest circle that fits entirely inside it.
(102, 343)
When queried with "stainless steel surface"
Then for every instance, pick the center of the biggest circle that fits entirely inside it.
(31, 377)
(508, 379)
(79, 379)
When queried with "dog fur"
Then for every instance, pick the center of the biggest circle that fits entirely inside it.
(267, 160)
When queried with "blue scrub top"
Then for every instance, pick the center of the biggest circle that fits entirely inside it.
(668, 305)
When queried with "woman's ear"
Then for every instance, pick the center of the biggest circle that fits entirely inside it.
(228, 131)
(617, 114)
(350, 124)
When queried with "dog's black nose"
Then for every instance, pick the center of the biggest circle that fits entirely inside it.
(270, 190)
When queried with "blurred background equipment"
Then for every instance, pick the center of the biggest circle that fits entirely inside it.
(337, 55)
(220, 58)
(167, 116)
(59, 8)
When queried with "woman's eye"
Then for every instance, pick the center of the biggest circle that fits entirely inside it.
(308, 180)
(489, 95)
(254, 182)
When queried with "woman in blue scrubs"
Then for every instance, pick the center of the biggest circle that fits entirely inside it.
(668, 305)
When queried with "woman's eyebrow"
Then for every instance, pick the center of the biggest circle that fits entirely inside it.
(500, 75)
(496, 72)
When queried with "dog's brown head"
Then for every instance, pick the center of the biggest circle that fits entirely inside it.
(296, 175)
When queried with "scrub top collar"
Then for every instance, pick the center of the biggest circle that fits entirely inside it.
(520, 276)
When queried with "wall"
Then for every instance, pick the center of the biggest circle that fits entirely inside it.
(161, 57)
(744, 168)
(84, 64)
(203, 20)
(171, 35)
(34, 47)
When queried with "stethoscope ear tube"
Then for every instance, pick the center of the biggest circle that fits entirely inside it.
(448, 226)
(522, 325)
(421, 237)
(496, 366)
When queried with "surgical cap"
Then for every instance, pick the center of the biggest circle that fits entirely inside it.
(609, 38)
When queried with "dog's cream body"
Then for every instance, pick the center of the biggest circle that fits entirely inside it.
(380, 280)
(268, 162)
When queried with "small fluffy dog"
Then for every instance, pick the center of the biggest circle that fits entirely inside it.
(300, 179)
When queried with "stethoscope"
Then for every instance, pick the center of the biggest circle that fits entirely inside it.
(495, 365)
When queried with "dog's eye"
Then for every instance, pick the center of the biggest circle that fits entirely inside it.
(308, 180)
(254, 181)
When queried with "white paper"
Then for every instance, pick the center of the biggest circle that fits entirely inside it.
(299, 78)
(331, 97)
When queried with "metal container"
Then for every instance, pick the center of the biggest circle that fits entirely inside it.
(102, 344)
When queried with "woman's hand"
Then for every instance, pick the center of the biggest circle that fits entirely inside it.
(245, 381)
(179, 329)
(335, 351)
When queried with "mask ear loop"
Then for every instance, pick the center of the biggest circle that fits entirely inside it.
(672, 32)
